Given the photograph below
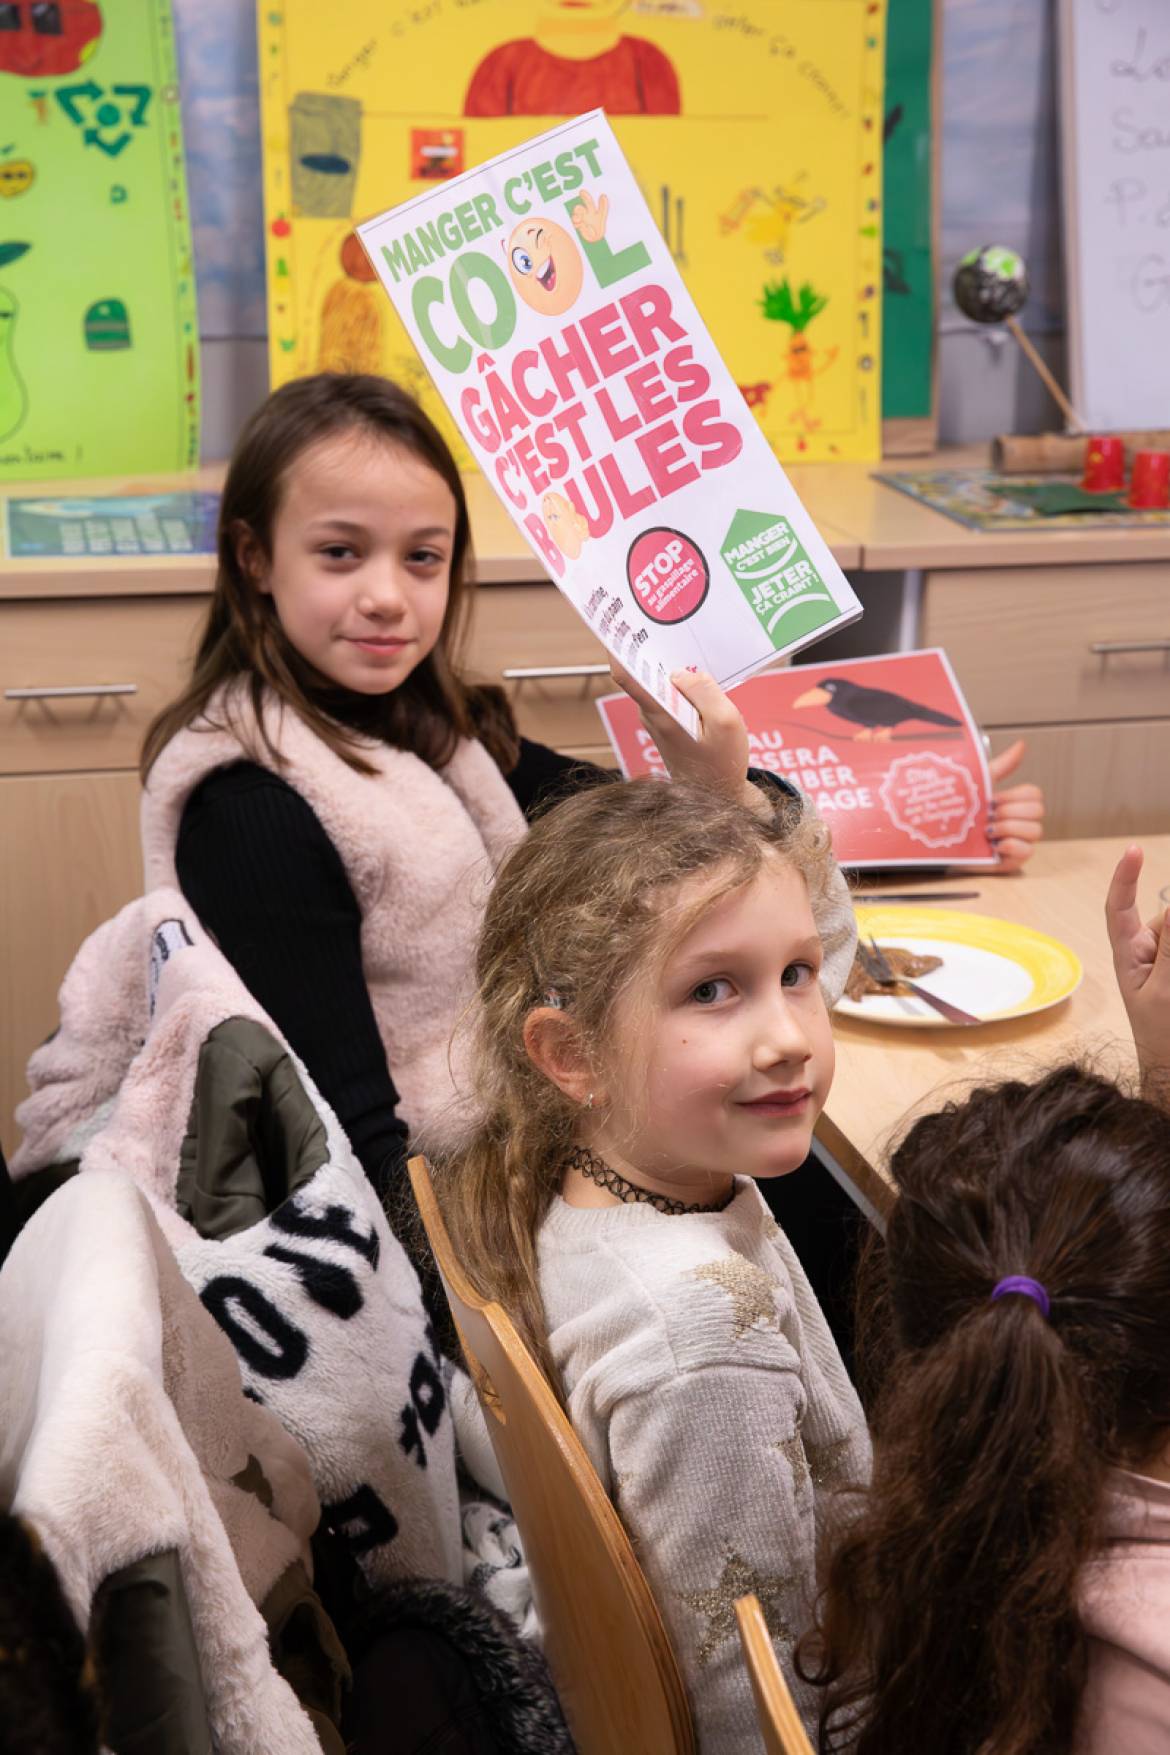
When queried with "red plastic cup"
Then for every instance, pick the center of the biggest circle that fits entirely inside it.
(1149, 485)
(1104, 466)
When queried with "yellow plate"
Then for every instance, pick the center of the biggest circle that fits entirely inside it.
(992, 968)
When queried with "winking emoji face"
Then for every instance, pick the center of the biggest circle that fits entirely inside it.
(545, 265)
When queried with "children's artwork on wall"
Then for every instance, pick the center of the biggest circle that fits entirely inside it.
(99, 355)
(909, 176)
(755, 134)
(111, 524)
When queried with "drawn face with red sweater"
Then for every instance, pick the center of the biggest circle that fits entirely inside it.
(578, 58)
(556, 14)
(44, 42)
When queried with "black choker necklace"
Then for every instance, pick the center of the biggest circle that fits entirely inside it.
(598, 1171)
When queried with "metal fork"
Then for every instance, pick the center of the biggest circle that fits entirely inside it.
(878, 968)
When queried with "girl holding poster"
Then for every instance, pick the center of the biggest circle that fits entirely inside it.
(653, 1040)
(328, 792)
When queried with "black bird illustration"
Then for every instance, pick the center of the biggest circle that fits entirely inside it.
(877, 711)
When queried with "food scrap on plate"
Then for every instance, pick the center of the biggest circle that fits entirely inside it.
(861, 985)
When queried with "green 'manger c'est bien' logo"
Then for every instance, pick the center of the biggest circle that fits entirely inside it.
(768, 562)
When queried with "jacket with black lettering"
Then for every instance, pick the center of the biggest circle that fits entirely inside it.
(166, 1069)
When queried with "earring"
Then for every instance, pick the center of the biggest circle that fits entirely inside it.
(589, 1101)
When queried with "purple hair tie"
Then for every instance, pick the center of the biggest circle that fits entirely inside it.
(1028, 1288)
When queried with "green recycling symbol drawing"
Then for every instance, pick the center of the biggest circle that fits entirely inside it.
(106, 118)
(768, 562)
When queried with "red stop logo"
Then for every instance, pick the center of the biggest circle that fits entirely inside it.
(668, 574)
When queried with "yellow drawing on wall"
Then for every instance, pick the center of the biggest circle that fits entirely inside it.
(753, 127)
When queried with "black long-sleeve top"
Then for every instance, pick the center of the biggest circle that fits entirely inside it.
(265, 879)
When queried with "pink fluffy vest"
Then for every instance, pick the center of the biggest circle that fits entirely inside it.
(420, 849)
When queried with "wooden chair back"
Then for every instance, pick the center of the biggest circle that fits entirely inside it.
(607, 1648)
(781, 1725)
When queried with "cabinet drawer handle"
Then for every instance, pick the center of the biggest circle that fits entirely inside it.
(541, 673)
(1105, 648)
(71, 691)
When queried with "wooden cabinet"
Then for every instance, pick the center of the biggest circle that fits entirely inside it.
(533, 630)
(80, 680)
(1050, 645)
(70, 859)
(1098, 779)
(1077, 661)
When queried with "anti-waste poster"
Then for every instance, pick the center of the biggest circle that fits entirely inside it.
(886, 748)
(99, 355)
(563, 340)
(754, 130)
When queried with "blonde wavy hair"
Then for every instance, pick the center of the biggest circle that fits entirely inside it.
(588, 906)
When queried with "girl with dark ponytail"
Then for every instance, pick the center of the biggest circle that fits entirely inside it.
(1004, 1588)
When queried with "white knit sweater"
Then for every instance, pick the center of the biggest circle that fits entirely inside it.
(709, 1393)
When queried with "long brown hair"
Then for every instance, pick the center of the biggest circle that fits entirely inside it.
(950, 1619)
(585, 906)
(243, 637)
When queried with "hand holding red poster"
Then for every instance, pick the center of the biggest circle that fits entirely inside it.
(885, 747)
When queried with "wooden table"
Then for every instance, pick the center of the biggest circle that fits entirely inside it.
(886, 1074)
(1058, 636)
(896, 533)
(501, 554)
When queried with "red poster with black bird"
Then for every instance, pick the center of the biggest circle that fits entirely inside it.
(885, 747)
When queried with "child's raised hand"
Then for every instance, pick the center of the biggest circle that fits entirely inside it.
(1017, 819)
(718, 757)
(1141, 963)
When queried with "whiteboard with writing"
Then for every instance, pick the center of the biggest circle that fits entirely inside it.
(1115, 119)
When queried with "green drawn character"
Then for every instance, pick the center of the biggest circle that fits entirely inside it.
(107, 326)
(13, 395)
(800, 363)
(106, 117)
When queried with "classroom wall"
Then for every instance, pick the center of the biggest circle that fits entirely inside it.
(999, 184)
(1000, 176)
